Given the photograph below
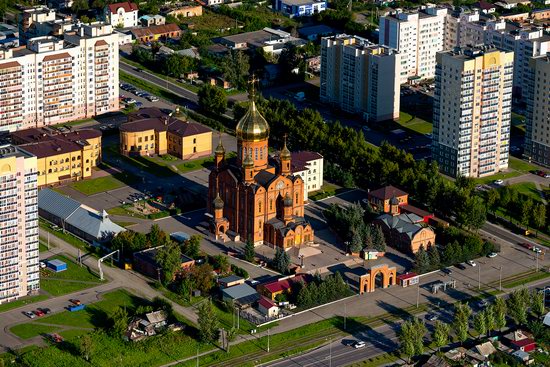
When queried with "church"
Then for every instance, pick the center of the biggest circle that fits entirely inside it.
(255, 197)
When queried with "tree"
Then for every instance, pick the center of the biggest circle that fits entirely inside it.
(86, 347)
(281, 261)
(406, 339)
(472, 213)
(79, 6)
(480, 324)
(221, 263)
(119, 321)
(517, 305)
(208, 323)
(185, 287)
(461, 321)
(156, 236)
(440, 334)
(378, 239)
(500, 313)
(356, 242)
(168, 258)
(537, 302)
(249, 251)
(176, 65)
(526, 211)
(236, 68)
(492, 200)
(421, 261)
(192, 247)
(435, 259)
(202, 277)
(539, 216)
(490, 319)
(212, 99)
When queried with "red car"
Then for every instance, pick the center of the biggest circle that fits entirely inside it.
(38, 313)
(56, 338)
(528, 246)
(75, 301)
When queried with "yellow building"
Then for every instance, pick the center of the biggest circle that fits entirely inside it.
(150, 131)
(61, 158)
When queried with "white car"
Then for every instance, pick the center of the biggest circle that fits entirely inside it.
(42, 265)
(498, 182)
(471, 263)
(537, 249)
(483, 303)
(359, 344)
(492, 254)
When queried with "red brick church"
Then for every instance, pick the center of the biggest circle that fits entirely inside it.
(254, 196)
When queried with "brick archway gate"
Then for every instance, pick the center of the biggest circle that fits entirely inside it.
(367, 282)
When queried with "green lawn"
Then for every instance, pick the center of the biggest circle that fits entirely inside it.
(414, 123)
(498, 176)
(529, 189)
(96, 185)
(195, 164)
(124, 224)
(30, 330)
(125, 211)
(521, 165)
(74, 123)
(527, 278)
(144, 163)
(66, 236)
(73, 272)
(60, 287)
(22, 302)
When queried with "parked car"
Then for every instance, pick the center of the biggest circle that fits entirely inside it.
(75, 301)
(42, 265)
(483, 303)
(527, 245)
(129, 100)
(461, 266)
(447, 271)
(471, 263)
(29, 314)
(139, 104)
(537, 249)
(359, 344)
(45, 310)
(38, 313)
(498, 182)
(492, 254)
(431, 317)
(152, 98)
(56, 338)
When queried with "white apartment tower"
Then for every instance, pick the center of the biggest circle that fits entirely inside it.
(19, 270)
(537, 140)
(360, 77)
(418, 37)
(51, 81)
(472, 109)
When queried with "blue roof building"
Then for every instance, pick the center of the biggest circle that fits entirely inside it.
(299, 8)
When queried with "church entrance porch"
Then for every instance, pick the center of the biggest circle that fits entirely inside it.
(381, 276)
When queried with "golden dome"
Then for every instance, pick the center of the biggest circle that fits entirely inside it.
(252, 126)
(285, 153)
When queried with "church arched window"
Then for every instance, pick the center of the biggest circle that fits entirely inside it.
(296, 201)
(256, 154)
(259, 206)
(270, 204)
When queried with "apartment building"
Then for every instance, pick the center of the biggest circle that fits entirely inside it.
(360, 77)
(40, 20)
(50, 81)
(537, 136)
(465, 29)
(19, 271)
(61, 158)
(418, 36)
(309, 166)
(472, 107)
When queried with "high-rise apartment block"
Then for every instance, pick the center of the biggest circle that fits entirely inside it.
(537, 140)
(360, 77)
(50, 81)
(465, 28)
(418, 36)
(19, 270)
(472, 109)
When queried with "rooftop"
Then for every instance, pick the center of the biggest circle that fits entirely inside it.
(155, 30)
(266, 303)
(240, 292)
(9, 150)
(171, 124)
(149, 255)
(301, 2)
(45, 142)
(387, 192)
(127, 6)
(230, 279)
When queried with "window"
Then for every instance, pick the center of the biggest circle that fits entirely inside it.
(259, 206)
(139, 140)
(194, 140)
(194, 149)
(270, 204)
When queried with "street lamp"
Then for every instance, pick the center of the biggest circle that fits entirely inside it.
(478, 276)
(500, 278)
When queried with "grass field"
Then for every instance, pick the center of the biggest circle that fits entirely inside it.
(30, 330)
(527, 278)
(414, 123)
(520, 165)
(22, 302)
(529, 189)
(71, 280)
(516, 167)
(498, 176)
(195, 164)
(125, 211)
(153, 166)
(96, 185)
(67, 237)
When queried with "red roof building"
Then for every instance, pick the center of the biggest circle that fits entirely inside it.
(408, 279)
(525, 345)
(273, 289)
(127, 6)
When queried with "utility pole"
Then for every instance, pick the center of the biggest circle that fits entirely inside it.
(537, 266)
(330, 353)
(48, 232)
(238, 319)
